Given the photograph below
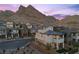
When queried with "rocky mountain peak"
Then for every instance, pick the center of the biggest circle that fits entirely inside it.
(21, 7)
(30, 6)
(29, 11)
(31, 15)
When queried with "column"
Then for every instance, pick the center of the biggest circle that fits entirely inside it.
(18, 34)
(6, 36)
(57, 46)
(63, 45)
(63, 42)
(12, 35)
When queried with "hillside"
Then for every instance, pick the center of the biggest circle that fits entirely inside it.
(31, 15)
(6, 14)
(70, 21)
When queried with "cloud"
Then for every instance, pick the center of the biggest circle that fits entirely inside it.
(12, 7)
(65, 9)
(47, 9)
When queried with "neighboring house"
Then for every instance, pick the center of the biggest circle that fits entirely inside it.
(3, 31)
(72, 34)
(23, 30)
(33, 31)
(29, 26)
(49, 28)
(14, 33)
(59, 28)
(17, 25)
(16, 30)
(75, 36)
(44, 29)
(55, 39)
(9, 24)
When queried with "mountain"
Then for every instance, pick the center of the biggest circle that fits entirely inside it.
(60, 16)
(70, 21)
(5, 14)
(31, 15)
(29, 11)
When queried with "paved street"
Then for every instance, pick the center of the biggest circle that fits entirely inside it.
(18, 46)
(23, 50)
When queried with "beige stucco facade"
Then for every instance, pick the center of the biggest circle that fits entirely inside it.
(54, 40)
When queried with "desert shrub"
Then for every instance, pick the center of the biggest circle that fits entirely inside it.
(61, 50)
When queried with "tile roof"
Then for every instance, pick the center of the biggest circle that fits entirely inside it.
(54, 32)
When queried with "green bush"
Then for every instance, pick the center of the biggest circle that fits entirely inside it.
(73, 51)
(62, 50)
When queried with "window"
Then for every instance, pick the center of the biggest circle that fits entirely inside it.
(61, 36)
(78, 40)
(74, 40)
(74, 34)
(54, 36)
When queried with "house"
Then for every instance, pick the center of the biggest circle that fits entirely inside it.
(17, 25)
(16, 30)
(75, 35)
(71, 35)
(44, 28)
(9, 24)
(54, 39)
(3, 31)
(48, 28)
(14, 33)
(23, 31)
(29, 26)
(59, 28)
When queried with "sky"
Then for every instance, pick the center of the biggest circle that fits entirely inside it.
(47, 9)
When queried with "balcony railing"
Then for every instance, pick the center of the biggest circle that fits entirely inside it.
(60, 40)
